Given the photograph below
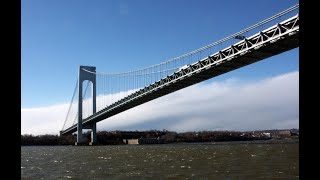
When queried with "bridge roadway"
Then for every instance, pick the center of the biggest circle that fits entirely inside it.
(277, 39)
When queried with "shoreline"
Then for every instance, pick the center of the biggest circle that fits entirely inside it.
(268, 141)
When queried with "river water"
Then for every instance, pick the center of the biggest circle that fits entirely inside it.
(229, 160)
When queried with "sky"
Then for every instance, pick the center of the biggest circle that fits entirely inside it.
(116, 36)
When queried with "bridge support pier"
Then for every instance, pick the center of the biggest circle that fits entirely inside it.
(93, 135)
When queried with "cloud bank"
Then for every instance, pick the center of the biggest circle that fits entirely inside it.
(271, 103)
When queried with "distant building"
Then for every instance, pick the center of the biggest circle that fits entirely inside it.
(294, 132)
(131, 141)
(266, 134)
(144, 141)
(284, 133)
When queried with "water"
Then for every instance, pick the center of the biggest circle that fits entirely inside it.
(165, 161)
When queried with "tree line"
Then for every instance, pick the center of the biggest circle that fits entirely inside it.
(164, 136)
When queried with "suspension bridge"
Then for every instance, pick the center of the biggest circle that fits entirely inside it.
(98, 95)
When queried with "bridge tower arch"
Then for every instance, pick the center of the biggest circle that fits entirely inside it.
(86, 73)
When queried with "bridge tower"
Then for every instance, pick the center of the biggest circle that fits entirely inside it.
(85, 74)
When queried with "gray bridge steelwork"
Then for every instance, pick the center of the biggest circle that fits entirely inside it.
(274, 40)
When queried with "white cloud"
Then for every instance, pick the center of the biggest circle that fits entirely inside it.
(44, 120)
(271, 103)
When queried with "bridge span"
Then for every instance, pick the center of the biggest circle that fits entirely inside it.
(275, 39)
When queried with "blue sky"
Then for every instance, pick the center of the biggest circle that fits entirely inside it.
(115, 36)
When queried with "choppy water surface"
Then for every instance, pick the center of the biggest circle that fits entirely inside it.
(165, 161)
